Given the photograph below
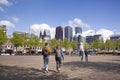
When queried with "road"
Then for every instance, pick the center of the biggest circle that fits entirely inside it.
(30, 68)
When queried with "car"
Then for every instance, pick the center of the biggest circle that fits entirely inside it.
(10, 51)
(91, 52)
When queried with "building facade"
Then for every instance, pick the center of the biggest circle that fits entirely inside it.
(4, 28)
(22, 33)
(45, 35)
(78, 30)
(69, 33)
(59, 33)
(90, 39)
(115, 37)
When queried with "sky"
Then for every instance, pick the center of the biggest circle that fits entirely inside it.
(100, 16)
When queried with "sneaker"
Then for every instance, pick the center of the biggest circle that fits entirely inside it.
(59, 70)
(47, 71)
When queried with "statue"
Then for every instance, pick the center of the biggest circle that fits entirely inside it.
(79, 40)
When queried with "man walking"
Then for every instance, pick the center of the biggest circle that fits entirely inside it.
(46, 52)
(83, 53)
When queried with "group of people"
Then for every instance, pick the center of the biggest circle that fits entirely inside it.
(59, 56)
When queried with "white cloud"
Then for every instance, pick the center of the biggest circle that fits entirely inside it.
(7, 23)
(15, 19)
(5, 2)
(77, 23)
(89, 33)
(36, 28)
(1, 9)
(104, 32)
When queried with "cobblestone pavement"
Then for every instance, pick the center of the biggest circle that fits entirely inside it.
(31, 68)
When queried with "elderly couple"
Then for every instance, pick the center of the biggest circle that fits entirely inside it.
(59, 55)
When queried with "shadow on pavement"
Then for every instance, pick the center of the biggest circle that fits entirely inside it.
(20, 73)
(97, 66)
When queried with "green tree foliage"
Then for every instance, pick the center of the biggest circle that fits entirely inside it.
(53, 43)
(17, 40)
(102, 45)
(42, 43)
(96, 44)
(34, 41)
(86, 46)
(73, 45)
(26, 40)
(66, 43)
(109, 44)
(116, 44)
(3, 37)
(63, 43)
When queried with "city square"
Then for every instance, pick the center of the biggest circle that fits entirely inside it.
(80, 39)
(102, 67)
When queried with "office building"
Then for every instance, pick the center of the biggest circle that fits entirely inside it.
(45, 35)
(59, 33)
(69, 33)
(115, 37)
(78, 30)
(4, 28)
(90, 39)
(22, 33)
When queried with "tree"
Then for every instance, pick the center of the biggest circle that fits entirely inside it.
(109, 45)
(42, 43)
(116, 43)
(26, 41)
(3, 37)
(17, 40)
(34, 41)
(102, 45)
(96, 44)
(53, 43)
(66, 43)
(73, 45)
(86, 46)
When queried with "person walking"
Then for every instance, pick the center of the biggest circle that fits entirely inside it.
(86, 55)
(59, 55)
(46, 52)
(83, 53)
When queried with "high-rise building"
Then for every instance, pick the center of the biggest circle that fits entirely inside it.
(115, 37)
(59, 33)
(4, 28)
(90, 39)
(78, 30)
(45, 35)
(68, 33)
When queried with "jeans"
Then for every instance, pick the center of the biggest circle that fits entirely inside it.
(46, 62)
(58, 62)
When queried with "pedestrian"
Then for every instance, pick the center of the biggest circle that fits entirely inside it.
(86, 55)
(46, 52)
(59, 55)
(83, 53)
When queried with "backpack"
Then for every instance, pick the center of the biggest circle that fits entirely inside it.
(45, 52)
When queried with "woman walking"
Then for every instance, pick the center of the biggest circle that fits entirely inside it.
(59, 55)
